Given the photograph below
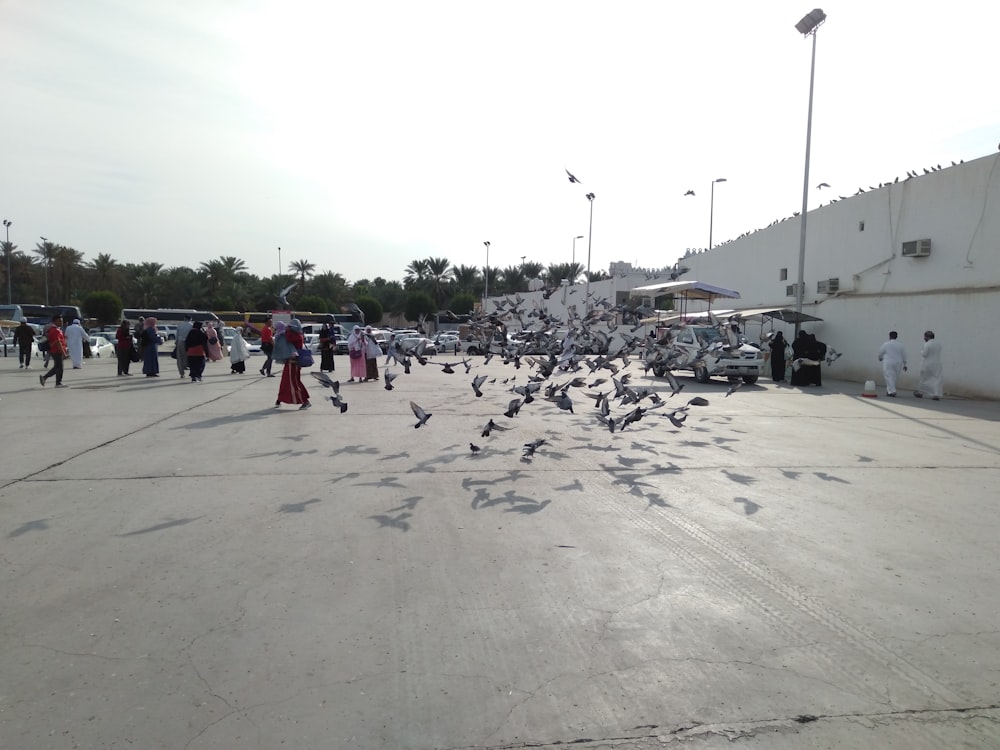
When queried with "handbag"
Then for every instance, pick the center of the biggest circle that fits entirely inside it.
(305, 358)
(134, 355)
(355, 354)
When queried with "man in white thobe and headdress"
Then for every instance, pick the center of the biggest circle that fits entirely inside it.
(892, 355)
(74, 342)
(931, 376)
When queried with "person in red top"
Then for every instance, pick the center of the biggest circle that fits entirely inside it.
(291, 390)
(266, 345)
(57, 350)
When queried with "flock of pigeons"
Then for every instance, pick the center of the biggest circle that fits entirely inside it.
(595, 353)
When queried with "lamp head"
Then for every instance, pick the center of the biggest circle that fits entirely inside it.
(590, 196)
(721, 179)
(487, 244)
(810, 22)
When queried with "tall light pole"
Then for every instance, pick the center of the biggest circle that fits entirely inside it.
(45, 257)
(279, 262)
(711, 211)
(578, 237)
(6, 226)
(808, 26)
(486, 286)
(590, 237)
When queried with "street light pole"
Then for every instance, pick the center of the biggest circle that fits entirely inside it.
(590, 237)
(45, 257)
(279, 263)
(578, 237)
(711, 211)
(6, 226)
(809, 24)
(486, 286)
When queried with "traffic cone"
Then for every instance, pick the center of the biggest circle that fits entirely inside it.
(869, 389)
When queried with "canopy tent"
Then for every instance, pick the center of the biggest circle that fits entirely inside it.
(784, 314)
(685, 289)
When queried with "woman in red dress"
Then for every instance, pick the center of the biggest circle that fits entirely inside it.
(291, 390)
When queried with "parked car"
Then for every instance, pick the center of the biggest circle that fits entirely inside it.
(341, 343)
(101, 347)
(447, 342)
(409, 343)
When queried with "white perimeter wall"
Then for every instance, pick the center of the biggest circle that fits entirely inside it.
(955, 292)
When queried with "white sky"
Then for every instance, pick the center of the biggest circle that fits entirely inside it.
(363, 135)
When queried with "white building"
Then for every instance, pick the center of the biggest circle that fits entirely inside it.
(921, 253)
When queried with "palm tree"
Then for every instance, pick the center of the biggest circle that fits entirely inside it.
(467, 279)
(514, 279)
(46, 251)
(532, 270)
(303, 268)
(416, 274)
(439, 279)
(556, 272)
(106, 272)
(213, 272)
(66, 266)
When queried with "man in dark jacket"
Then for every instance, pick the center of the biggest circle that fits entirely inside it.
(24, 335)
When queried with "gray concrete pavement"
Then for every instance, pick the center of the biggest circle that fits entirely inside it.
(184, 566)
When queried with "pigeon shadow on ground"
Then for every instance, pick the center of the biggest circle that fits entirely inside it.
(513, 475)
(789, 474)
(518, 503)
(392, 456)
(749, 506)
(354, 450)
(392, 482)
(408, 503)
(655, 499)
(393, 522)
(162, 526)
(575, 486)
(743, 479)
(207, 424)
(284, 454)
(342, 477)
(41, 524)
(829, 477)
(297, 507)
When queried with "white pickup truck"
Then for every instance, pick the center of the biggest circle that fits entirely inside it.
(706, 352)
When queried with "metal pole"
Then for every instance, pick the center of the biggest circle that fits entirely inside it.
(711, 215)
(6, 225)
(590, 237)
(800, 284)
(486, 286)
(279, 263)
(45, 257)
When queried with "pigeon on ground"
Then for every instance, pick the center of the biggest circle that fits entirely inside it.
(734, 387)
(474, 448)
(420, 414)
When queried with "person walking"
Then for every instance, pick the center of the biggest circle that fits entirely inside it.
(214, 343)
(777, 346)
(356, 351)
(196, 350)
(24, 337)
(150, 347)
(124, 346)
(266, 345)
(931, 374)
(327, 345)
(239, 353)
(180, 349)
(892, 355)
(75, 336)
(799, 348)
(290, 389)
(57, 352)
(372, 352)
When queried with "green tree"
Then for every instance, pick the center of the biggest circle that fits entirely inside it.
(312, 303)
(304, 269)
(556, 272)
(372, 309)
(332, 287)
(416, 274)
(105, 306)
(105, 273)
(532, 270)
(513, 279)
(419, 304)
(467, 279)
(463, 303)
(439, 279)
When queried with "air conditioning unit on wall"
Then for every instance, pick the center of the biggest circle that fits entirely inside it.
(792, 290)
(828, 286)
(917, 249)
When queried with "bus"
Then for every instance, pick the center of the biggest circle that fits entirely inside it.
(42, 314)
(257, 319)
(169, 315)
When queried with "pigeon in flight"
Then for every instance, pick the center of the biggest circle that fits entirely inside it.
(513, 408)
(530, 448)
(822, 185)
(389, 377)
(572, 178)
(420, 414)
(282, 296)
(477, 383)
(689, 192)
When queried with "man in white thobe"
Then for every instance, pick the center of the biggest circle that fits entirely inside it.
(74, 342)
(931, 376)
(892, 355)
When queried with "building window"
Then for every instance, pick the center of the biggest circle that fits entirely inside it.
(783, 274)
(861, 226)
